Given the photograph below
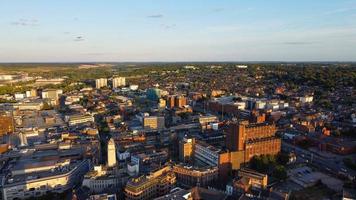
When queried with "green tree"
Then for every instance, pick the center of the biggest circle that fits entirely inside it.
(282, 158)
(46, 106)
(280, 172)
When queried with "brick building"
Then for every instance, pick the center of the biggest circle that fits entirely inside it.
(180, 101)
(252, 139)
(171, 101)
(186, 149)
(6, 125)
(176, 101)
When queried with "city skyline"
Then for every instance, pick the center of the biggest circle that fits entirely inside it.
(144, 31)
(177, 99)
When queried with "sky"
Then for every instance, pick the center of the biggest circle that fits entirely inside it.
(177, 30)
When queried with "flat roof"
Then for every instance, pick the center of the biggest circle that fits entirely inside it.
(13, 180)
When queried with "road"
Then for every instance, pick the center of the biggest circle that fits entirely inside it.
(333, 165)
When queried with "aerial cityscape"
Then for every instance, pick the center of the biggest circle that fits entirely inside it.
(178, 100)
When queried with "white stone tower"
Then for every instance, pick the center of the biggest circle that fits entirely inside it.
(111, 153)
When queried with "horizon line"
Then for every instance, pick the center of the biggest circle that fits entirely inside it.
(191, 61)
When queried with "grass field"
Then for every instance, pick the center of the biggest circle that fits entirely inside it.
(319, 191)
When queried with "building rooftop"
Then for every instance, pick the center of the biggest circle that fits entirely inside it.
(176, 194)
(203, 193)
(208, 146)
(101, 172)
(148, 179)
(60, 170)
(252, 173)
(349, 193)
(197, 168)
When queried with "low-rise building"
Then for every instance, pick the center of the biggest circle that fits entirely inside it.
(153, 122)
(79, 119)
(28, 105)
(203, 120)
(102, 179)
(143, 159)
(53, 81)
(155, 184)
(249, 178)
(103, 197)
(194, 176)
(35, 179)
(206, 154)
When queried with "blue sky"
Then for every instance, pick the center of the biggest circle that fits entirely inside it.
(177, 30)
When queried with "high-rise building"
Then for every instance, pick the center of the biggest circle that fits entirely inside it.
(118, 82)
(180, 101)
(186, 149)
(176, 101)
(101, 82)
(52, 94)
(23, 139)
(252, 139)
(171, 101)
(111, 153)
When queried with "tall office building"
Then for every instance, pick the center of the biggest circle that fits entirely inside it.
(186, 149)
(101, 82)
(252, 139)
(111, 153)
(176, 101)
(52, 94)
(23, 139)
(180, 101)
(171, 101)
(118, 82)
